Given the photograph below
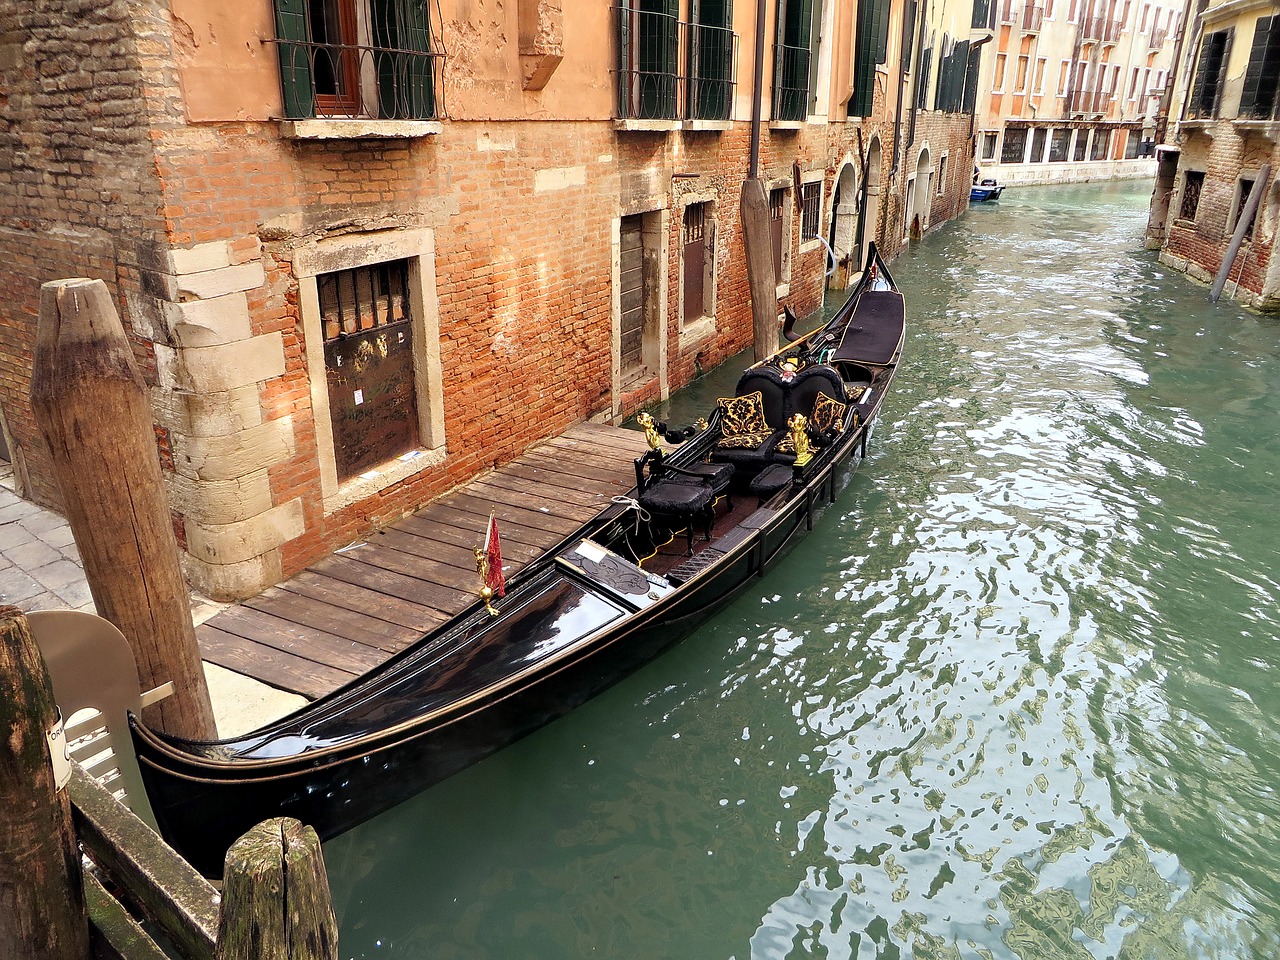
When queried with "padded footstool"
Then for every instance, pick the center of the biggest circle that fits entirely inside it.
(717, 474)
(681, 502)
(770, 480)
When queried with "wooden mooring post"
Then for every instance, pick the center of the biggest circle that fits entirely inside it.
(93, 409)
(276, 903)
(42, 904)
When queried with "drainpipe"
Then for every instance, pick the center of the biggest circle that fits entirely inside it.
(757, 93)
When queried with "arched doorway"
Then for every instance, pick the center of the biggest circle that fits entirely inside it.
(919, 195)
(871, 199)
(844, 227)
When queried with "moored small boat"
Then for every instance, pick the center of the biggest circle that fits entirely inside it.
(987, 190)
(705, 519)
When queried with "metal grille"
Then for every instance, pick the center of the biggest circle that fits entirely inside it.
(651, 82)
(382, 64)
(368, 350)
(810, 210)
(694, 240)
(791, 85)
(1191, 187)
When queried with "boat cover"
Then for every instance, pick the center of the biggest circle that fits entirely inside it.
(875, 330)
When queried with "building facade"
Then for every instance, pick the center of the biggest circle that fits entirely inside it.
(366, 249)
(1074, 89)
(1223, 149)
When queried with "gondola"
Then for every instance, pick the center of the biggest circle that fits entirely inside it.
(707, 518)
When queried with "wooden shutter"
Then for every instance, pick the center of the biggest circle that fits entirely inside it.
(1262, 77)
(295, 58)
(864, 61)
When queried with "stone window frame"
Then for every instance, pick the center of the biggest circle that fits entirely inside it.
(787, 185)
(1239, 198)
(417, 247)
(1183, 188)
(656, 211)
(704, 326)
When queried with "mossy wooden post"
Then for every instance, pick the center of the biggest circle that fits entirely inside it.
(761, 281)
(93, 410)
(42, 910)
(276, 903)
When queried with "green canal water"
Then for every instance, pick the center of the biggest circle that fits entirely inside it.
(1015, 696)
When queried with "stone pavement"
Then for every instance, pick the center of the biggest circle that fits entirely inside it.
(40, 570)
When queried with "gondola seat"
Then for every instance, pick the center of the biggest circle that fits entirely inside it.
(675, 495)
(753, 424)
(770, 480)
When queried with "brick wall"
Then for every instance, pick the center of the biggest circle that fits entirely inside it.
(198, 229)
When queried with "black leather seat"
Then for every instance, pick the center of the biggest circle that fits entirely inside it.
(675, 494)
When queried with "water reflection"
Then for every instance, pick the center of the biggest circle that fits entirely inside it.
(1017, 698)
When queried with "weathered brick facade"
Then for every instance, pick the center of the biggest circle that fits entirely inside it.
(211, 233)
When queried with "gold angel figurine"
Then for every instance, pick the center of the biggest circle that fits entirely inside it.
(646, 420)
(800, 439)
(485, 591)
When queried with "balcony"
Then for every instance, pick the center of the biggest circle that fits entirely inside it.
(1157, 38)
(655, 82)
(1032, 18)
(1089, 101)
(1101, 30)
(1008, 11)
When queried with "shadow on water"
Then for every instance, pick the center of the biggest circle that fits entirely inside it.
(1015, 697)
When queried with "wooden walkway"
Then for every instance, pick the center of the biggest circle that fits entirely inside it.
(351, 611)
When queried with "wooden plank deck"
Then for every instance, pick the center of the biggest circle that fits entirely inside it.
(348, 613)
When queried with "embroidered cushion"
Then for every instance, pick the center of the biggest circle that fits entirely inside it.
(828, 414)
(743, 415)
(744, 441)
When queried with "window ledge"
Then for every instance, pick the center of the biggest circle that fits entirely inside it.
(647, 126)
(351, 129)
(783, 290)
(786, 124)
(1266, 129)
(807, 245)
(699, 330)
(379, 478)
(708, 124)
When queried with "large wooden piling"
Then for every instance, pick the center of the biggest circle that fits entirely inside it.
(275, 897)
(42, 905)
(760, 272)
(93, 410)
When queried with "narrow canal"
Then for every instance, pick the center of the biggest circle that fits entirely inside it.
(1016, 696)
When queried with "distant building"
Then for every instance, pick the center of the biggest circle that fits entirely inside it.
(1224, 144)
(1072, 89)
(366, 249)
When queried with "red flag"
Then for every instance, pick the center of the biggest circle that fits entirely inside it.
(493, 551)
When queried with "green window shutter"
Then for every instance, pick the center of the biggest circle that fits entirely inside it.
(295, 58)
(864, 59)
(711, 58)
(402, 41)
(882, 31)
(1262, 77)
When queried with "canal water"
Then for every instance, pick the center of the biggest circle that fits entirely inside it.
(1016, 696)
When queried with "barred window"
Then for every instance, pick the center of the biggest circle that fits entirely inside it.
(810, 211)
(368, 349)
(357, 58)
(1193, 183)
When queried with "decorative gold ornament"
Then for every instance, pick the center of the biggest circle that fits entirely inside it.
(800, 439)
(485, 591)
(650, 429)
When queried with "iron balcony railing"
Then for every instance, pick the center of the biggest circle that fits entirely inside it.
(1009, 11)
(1090, 101)
(672, 70)
(359, 81)
(791, 83)
(1157, 38)
(1032, 18)
(1100, 29)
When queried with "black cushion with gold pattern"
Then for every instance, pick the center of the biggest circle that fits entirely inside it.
(828, 414)
(742, 416)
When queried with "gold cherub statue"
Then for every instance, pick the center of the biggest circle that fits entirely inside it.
(485, 591)
(646, 420)
(800, 438)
